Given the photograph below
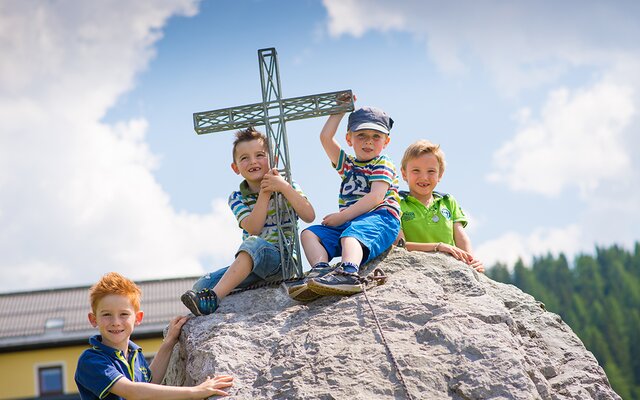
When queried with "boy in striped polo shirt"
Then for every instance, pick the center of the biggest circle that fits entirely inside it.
(258, 258)
(369, 217)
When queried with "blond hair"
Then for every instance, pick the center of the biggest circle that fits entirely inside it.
(421, 147)
(114, 283)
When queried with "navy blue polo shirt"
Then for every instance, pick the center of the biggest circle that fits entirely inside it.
(101, 366)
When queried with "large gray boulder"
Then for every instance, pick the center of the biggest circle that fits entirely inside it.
(454, 334)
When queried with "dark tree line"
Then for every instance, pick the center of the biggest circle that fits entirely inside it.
(599, 298)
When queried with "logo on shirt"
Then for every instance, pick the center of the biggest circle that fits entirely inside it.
(445, 212)
(145, 374)
(408, 216)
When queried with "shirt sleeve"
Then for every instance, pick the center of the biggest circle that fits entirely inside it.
(457, 215)
(96, 373)
(239, 209)
(298, 189)
(383, 170)
(343, 161)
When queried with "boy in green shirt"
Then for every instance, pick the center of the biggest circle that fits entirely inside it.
(432, 221)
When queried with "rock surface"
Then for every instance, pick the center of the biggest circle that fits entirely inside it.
(455, 334)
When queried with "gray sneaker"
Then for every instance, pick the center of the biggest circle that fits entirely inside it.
(338, 283)
(299, 291)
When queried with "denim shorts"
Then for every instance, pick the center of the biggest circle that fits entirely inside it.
(376, 231)
(266, 265)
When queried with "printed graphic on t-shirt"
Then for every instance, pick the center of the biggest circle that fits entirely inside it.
(355, 185)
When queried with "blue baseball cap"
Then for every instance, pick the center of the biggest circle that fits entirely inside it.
(370, 118)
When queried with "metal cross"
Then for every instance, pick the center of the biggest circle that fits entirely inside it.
(273, 112)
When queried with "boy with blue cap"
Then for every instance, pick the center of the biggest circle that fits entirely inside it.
(369, 217)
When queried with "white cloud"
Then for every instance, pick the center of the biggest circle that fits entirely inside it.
(578, 141)
(522, 44)
(356, 17)
(77, 196)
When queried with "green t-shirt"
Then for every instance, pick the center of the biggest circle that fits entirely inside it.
(433, 224)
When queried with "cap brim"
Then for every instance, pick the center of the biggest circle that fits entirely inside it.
(369, 125)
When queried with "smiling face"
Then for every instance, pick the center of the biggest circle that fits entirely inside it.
(251, 160)
(115, 318)
(367, 143)
(422, 174)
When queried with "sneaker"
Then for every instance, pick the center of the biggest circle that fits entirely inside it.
(299, 291)
(200, 303)
(339, 282)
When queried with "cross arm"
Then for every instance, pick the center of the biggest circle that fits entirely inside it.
(295, 108)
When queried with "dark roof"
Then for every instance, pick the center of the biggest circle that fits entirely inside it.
(57, 317)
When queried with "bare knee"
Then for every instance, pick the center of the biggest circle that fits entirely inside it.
(308, 236)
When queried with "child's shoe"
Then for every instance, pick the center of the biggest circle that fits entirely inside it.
(340, 282)
(299, 291)
(204, 302)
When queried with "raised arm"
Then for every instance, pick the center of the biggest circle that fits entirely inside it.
(327, 137)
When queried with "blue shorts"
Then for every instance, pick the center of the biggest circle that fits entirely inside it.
(266, 265)
(376, 231)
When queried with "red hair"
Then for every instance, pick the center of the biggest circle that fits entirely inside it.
(114, 283)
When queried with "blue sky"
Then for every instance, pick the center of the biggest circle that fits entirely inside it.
(534, 103)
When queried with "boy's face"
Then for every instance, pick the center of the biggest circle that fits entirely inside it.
(367, 143)
(422, 174)
(251, 160)
(115, 318)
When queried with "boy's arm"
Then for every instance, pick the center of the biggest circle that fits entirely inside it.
(274, 182)
(460, 237)
(254, 222)
(462, 240)
(365, 204)
(327, 137)
(161, 360)
(143, 390)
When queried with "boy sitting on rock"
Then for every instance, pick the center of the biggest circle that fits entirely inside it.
(369, 217)
(258, 258)
(432, 221)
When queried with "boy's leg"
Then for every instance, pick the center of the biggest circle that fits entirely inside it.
(206, 300)
(320, 244)
(238, 271)
(209, 280)
(256, 260)
(313, 248)
(352, 252)
(366, 238)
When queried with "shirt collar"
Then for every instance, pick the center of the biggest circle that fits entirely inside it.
(96, 342)
(245, 190)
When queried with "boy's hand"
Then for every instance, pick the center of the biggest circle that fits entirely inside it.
(456, 252)
(213, 385)
(477, 265)
(273, 182)
(175, 326)
(334, 219)
(345, 98)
